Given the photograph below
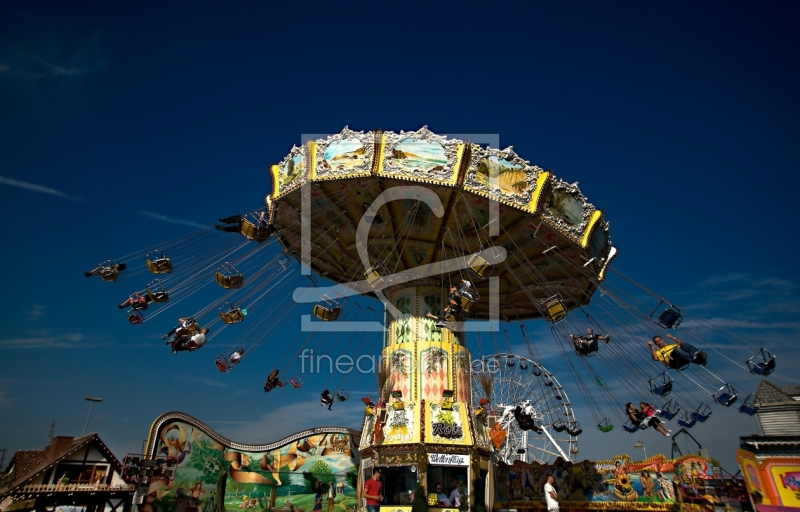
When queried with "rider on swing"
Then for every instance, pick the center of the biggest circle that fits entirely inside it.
(325, 398)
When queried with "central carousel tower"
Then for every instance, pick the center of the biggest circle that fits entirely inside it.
(407, 218)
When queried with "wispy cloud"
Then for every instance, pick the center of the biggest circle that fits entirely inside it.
(200, 380)
(4, 398)
(70, 340)
(25, 65)
(164, 218)
(37, 188)
(35, 312)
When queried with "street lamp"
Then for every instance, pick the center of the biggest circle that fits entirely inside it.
(639, 444)
(92, 400)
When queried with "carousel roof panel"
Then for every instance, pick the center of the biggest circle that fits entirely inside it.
(556, 241)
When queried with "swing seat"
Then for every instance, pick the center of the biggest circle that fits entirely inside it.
(605, 426)
(589, 351)
(748, 409)
(554, 309)
(574, 429)
(159, 266)
(661, 385)
(135, 318)
(229, 281)
(559, 426)
(342, 396)
(222, 364)
(667, 415)
(670, 318)
(256, 233)
(725, 399)
(296, 382)
(325, 314)
(763, 369)
(369, 410)
(138, 305)
(683, 422)
(109, 274)
(374, 278)
(700, 417)
(467, 303)
(761, 363)
(479, 266)
(234, 315)
(630, 428)
(157, 297)
(268, 386)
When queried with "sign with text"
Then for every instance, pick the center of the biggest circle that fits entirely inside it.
(447, 459)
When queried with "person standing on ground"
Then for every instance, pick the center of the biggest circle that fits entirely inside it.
(372, 491)
(550, 494)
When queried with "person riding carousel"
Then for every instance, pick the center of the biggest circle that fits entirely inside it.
(236, 357)
(273, 381)
(587, 344)
(114, 268)
(182, 329)
(236, 222)
(138, 301)
(325, 398)
(642, 420)
(190, 344)
(675, 356)
(451, 310)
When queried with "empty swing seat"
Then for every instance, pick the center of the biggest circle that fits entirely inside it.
(159, 266)
(669, 410)
(232, 316)
(605, 426)
(342, 396)
(554, 309)
(479, 266)
(253, 232)
(661, 385)
(762, 363)
(726, 395)
(229, 281)
(748, 409)
(325, 314)
(296, 382)
(135, 318)
(157, 296)
(222, 364)
(670, 318)
(373, 277)
(701, 414)
(687, 421)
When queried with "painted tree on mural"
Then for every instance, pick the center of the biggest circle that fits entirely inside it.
(207, 458)
(319, 472)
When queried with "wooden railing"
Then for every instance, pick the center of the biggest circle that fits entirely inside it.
(77, 487)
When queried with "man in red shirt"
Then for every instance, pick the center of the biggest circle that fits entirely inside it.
(372, 491)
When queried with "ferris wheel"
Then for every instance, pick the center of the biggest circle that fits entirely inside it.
(521, 385)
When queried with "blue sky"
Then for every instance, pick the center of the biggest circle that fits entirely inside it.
(122, 127)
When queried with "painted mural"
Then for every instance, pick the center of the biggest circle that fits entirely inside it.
(617, 480)
(344, 155)
(294, 167)
(773, 481)
(431, 305)
(419, 155)
(565, 206)
(501, 174)
(210, 473)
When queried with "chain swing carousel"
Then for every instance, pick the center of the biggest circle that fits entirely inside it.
(456, 241)
(423, 215)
